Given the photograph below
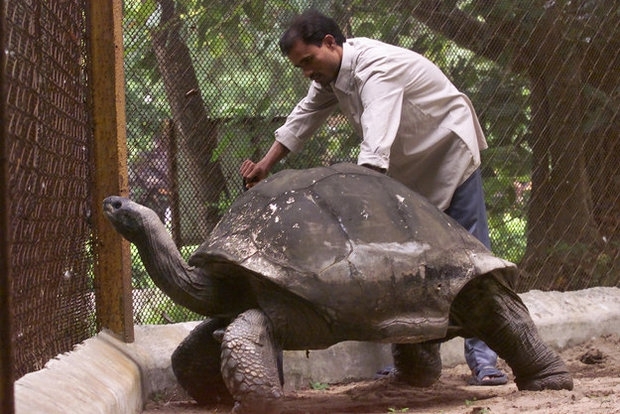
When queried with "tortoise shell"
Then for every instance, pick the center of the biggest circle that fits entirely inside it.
(358, 246)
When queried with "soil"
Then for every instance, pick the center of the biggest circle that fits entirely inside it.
(595, 366)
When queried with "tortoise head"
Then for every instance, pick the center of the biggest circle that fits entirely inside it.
(132, 220)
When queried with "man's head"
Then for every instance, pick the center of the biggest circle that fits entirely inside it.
(313, 42)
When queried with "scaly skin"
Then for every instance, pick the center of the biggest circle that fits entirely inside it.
(488, 310)
(249, 364)
(196, 364)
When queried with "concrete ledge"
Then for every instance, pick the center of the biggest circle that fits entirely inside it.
(94, 378)
(104, 375)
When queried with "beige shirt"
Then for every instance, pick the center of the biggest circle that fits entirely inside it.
(412, 119)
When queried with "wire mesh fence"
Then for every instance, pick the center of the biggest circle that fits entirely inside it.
(207, 86)
(48, 137)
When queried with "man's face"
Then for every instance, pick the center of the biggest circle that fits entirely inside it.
(319, 63)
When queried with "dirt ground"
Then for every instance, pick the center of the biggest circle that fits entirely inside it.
(595, 366)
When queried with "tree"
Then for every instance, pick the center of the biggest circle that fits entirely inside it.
(569, 51)
(197, 132)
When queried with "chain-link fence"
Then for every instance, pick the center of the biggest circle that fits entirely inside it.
(47, 143)
(207, 86)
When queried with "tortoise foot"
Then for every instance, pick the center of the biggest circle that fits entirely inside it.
(561, 381)
(263, 406)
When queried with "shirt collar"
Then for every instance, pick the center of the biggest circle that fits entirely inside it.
(346, 68)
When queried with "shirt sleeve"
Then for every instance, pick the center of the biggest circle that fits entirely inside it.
(382, 90)
(380, 123)
(307, 116)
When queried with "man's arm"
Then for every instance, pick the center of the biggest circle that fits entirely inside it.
(301, 123)
(253, 172)
(380, 122)
(383, 76)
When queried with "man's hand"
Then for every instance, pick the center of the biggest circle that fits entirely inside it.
(374, 167)
(252, 173)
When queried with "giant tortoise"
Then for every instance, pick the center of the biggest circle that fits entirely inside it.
(309, 258)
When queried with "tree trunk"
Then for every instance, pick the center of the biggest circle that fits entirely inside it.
(564, 241)
(562, 234)
(197, 133)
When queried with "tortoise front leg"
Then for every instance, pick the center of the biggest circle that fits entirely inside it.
(487, 309)
(249, 364)
(196, 364)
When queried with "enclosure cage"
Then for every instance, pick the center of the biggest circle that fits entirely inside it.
(161, 100)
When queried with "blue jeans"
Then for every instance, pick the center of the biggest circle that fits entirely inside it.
(467, 207)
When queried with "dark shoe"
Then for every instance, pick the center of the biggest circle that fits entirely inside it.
(386, 372)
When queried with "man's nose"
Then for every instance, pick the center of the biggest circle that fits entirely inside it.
(307, 73)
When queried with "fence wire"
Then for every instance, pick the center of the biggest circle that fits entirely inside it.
(207, 86)
(48, 138)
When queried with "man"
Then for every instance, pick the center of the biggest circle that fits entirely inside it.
(414, 124)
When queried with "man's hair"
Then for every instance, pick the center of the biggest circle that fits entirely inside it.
(310, 27)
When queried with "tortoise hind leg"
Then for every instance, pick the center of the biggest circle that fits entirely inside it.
(487, 309)
(418, 365)
(250, 364)
(196, 364)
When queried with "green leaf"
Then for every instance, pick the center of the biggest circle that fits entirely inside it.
(217, 46)
(143, 12)
(255, 10)
(366, 29)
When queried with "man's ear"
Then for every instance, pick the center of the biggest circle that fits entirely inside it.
(329, 41)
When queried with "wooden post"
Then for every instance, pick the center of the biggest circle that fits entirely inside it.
(113, 260)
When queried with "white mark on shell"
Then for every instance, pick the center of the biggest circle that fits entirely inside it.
(408, 248)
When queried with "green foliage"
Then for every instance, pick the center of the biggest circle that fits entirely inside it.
(242, 73)
(479, 410)
(151, 306)
(159, 309)
(140, 279)
(319, 386)
(508, 239)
